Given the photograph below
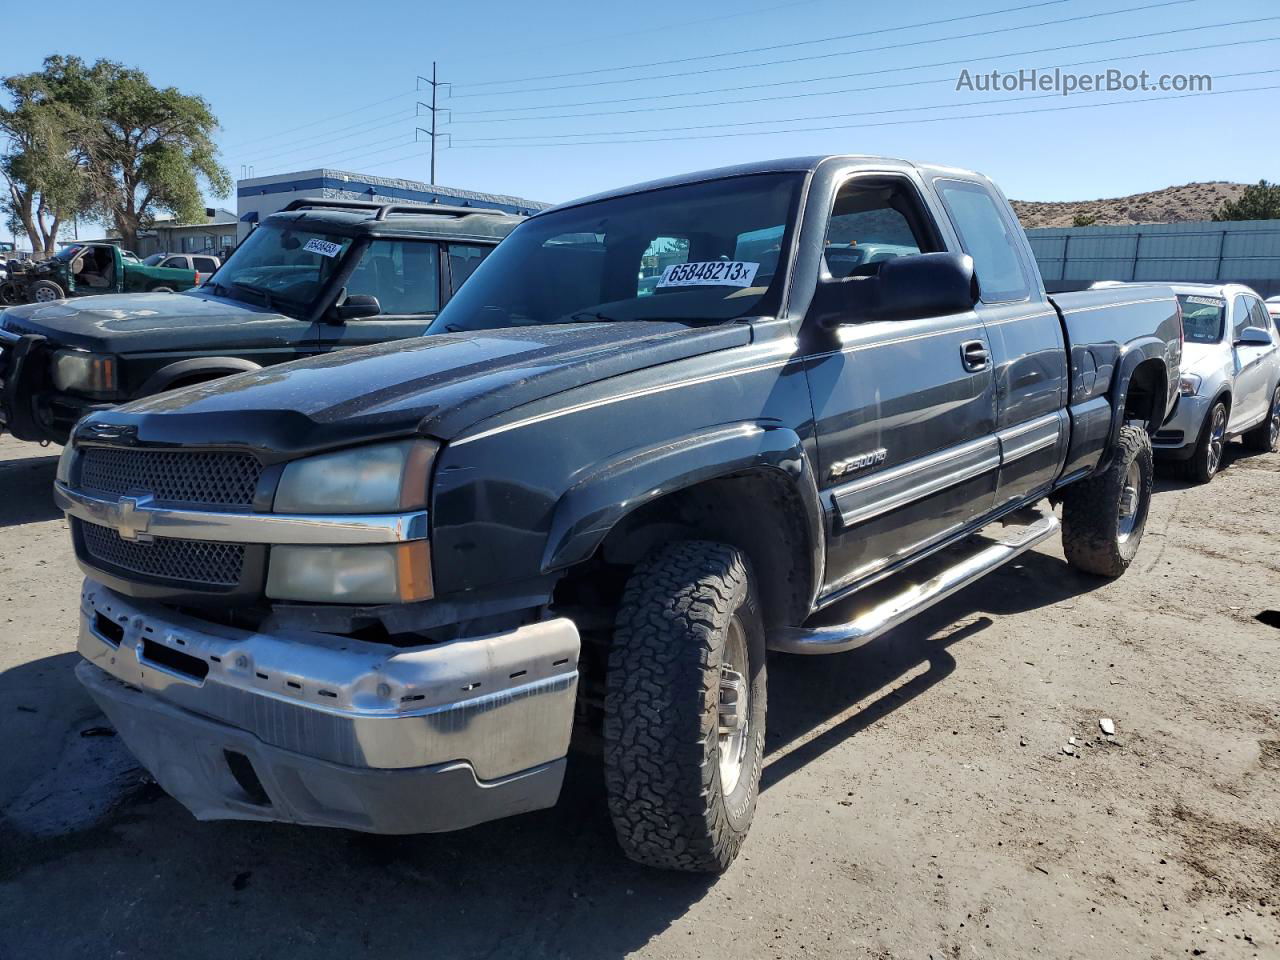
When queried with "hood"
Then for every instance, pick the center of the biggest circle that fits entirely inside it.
(143, 322)
(1203, 358)
(437, 386)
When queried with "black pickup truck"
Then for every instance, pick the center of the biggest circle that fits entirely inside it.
(660, 431)
(319, 276)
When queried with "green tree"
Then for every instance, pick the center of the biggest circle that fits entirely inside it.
(140, 149)
(1258, 202)
(40, 162)
(1083, 220)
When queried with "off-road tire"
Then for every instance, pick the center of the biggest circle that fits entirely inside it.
(51, 287)
(1201, 467)
(1265, 437)
(661, 729)
(1091, 537)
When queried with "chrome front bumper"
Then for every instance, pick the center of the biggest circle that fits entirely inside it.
(319, 729)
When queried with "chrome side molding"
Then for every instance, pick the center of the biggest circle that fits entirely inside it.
(140, 517)
(889, 613)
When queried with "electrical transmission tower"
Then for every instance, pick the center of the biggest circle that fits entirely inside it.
(435, 112)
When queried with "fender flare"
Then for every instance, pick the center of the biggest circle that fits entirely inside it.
(166, 376)
(1138, 352)
(600, 498)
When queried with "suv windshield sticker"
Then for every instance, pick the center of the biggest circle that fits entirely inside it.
(726, 273)
(1206, 301)
(325, 248)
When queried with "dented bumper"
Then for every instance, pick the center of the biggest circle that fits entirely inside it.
(330, 731)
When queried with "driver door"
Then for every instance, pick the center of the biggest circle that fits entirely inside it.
(1252, 390)
(406, 277)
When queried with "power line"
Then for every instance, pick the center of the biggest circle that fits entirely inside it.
(464, 145)
(882, 86)
(860, 73)
(776, 46)
(319, 141)
(838, 53)
(820, 116)
(326, 119)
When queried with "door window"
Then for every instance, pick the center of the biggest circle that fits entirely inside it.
(179, 263)
(1239, 318)
(873, 220)
(987, 236)
(463, 260)
(403, 274)
(1258, 316)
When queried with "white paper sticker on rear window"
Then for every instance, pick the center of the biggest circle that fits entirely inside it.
(1206, 301)
(717, 273)
(326, 248)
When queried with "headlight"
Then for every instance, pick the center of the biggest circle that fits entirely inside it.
(83, 372)
(384, 478)
(391, 573)
(1189, 385)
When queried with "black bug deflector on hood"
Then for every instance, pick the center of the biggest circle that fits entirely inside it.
(438, 385)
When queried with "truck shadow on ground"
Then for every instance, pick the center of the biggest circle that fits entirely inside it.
(546, 884)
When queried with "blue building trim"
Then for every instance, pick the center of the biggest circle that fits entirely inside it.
(460, 197)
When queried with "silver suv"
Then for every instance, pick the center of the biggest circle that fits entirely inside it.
(1230, 382)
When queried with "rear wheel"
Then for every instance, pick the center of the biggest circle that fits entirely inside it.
(162, 289)
(46, 291)
(9, 294)
(1206, 459)
(1103, 518)
(1265, 437)
(685, 708)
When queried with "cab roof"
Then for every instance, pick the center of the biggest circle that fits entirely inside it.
(369, 219)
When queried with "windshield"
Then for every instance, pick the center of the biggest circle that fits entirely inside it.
(66, 253)
(279, 264)
(705, 251)
(1203, 318)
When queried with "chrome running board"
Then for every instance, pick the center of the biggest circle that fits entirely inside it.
(882, 613)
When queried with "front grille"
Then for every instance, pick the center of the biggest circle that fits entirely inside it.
(178, 476)
(184, 561)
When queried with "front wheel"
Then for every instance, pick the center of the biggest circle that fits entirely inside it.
(162, 289)
(1265, 437)
(1206, 458)
(1103, 517)
(46, 291)
(685, 708)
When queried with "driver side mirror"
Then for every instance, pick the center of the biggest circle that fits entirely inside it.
(356, 307)
(911, 287)
(1253, 337)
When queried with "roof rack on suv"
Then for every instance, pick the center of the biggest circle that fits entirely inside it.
(386, 209)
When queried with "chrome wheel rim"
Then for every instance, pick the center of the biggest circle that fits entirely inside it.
(1130, 500)
(1217, 438)
(735, 707)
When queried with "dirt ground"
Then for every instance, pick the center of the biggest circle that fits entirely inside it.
(917, 800)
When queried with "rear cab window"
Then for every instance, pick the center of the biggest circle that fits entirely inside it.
(987, 235)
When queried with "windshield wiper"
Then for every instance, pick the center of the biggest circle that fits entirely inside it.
(268, 297)
(591, 316)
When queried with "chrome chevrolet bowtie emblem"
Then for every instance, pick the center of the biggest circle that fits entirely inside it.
(131, 517)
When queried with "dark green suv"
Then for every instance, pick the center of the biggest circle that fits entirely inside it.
(319, 276)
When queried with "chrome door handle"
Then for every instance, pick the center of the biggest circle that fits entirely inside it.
(974, 355)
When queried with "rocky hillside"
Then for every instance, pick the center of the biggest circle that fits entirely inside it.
(1191, 201)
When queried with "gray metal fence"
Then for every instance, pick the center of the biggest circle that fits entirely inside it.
(1245, 251)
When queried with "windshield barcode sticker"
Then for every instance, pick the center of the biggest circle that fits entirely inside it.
(721, 273)
(1206, 301)
(326, 248)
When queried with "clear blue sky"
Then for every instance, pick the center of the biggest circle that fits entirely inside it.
(321, 67)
